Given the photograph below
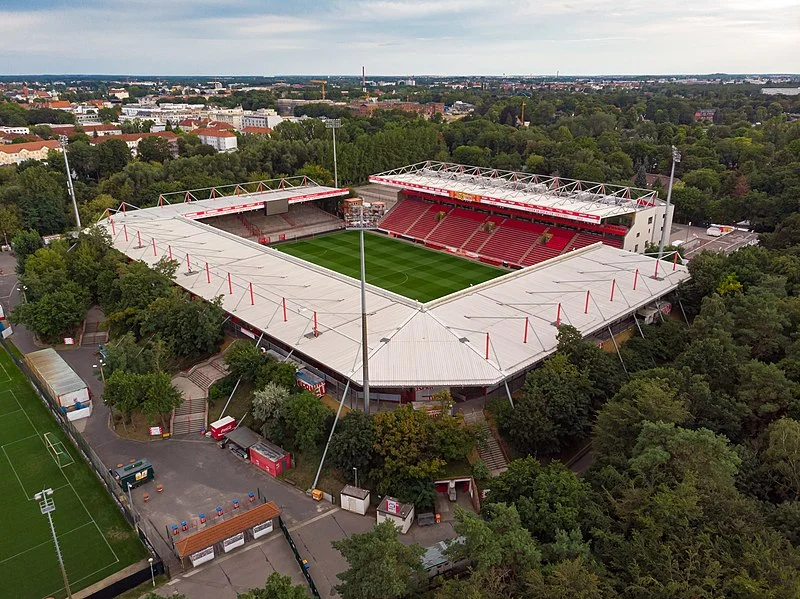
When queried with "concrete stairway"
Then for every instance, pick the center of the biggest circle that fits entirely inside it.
(189, 417)
(490, 452)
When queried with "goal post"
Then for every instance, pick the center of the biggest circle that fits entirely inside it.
(57, 450)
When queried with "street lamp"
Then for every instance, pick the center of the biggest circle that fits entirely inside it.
(152, 574)
(361, 216)
(676, 157)
(334, 124)
(355, 470)
(22, 289)
(102, 372)
(47, 506)
(130, 502)
(62, 139)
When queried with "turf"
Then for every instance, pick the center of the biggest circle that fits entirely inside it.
(94, 538)
(410, 270)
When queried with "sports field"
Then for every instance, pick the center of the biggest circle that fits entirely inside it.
(410, 270)
(94, 538)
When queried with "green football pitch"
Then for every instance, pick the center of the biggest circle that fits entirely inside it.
(410, 270)
(35, 454)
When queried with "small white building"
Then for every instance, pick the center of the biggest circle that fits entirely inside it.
(221, 140)
(400, 514)
(354, 499)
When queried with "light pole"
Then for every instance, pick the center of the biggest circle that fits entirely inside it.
(47, 506)
(22, 289)
(355, 470)
(130, 502)
(676, 157)
(102, 372)
(334, 124)
(152, 574)
(62, 139)
(360, 217)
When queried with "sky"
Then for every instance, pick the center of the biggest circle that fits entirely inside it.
(398, 37)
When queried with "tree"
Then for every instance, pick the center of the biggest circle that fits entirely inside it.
(191, 328)
(161, 396)
(55, 315)
(782, 456)
(112, 157)
(379, 565)
(24, 244)
(277, 587)
(244, 360)
(548, 499)
(502, 551)
(299, 422)
(123, 392)
(9, 223)
(621, 420)
(154, 149)
(351, 446)
(268, 401)
(554, 410)
(765, 392)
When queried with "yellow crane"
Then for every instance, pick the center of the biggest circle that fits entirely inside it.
(322, 83)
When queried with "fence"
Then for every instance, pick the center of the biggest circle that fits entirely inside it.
(145, 530)
(300, 561)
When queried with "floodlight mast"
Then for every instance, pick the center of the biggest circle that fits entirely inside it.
(334, 124)
(63, 140)
(676, 157)
(47, 506)
(360, 216)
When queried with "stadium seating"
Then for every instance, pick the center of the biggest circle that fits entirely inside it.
(513, 241)
(404, 214)
(456, 228)
(301, 219)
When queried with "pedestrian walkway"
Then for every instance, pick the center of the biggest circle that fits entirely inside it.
(490, 451)
(191, 416)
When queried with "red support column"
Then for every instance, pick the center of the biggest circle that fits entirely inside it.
(487, 345)
(169, 248)
(655, 274)
(125, 230)
(635, 279)
(558, 315)
(316, 332)
(284, 309)
(188, 263)
(586, 307)
(675, 261)
(113, 228)
(525, 335)
(252, 297)
(155, 253)
(613, 286)
(208, 274)
(139, 238)
(230, 285)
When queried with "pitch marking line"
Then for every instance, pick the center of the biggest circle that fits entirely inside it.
(47, 542)
(88, 513)
(10, 463)
(5, 372)
(18, 440)
(9, 413)
(73, 581)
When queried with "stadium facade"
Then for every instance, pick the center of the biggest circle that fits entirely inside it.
(474, 341)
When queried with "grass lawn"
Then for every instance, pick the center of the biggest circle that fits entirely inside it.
(410, 270)
(240, 404)
(94, 538)
(304, 468)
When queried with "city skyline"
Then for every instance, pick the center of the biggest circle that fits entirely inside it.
(399, 37)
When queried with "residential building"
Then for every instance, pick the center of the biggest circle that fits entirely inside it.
(18, 130)
(264, 119)
(256, 130)
(781, 91)
(232, 116)
(7, 138)
(35, 150)
(221, 140)
(92, 130)
(120, 93)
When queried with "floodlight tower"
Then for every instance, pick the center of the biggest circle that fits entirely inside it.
(47, 506)
(361, 216)
(334, 124)
(676, 157)
(62, 139)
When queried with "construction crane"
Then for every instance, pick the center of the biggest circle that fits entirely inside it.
(322, 83)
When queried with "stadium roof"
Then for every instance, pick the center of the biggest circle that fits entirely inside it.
(549, 196)
(441, 343)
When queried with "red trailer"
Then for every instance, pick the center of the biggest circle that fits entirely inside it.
(222, 426)
(270, 457)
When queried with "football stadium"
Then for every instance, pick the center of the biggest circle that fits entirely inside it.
(469, 272)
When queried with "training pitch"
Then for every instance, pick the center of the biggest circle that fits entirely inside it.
(410, 270)
(35, 454)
